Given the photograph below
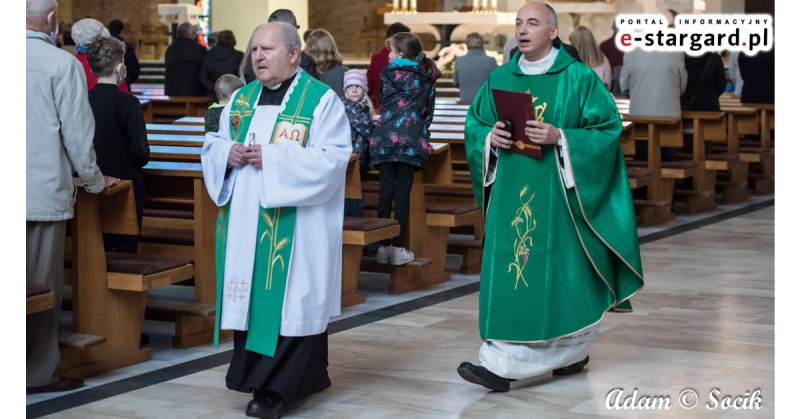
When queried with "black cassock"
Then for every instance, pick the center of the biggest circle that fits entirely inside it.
(300, 365)
(298, 369)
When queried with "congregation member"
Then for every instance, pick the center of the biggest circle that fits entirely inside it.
(654, 81)
(306, 62)
(84, 32)
(183, 62)
(399, 143)
(120, 136)
(560, 229)
(59, 129)
(277, 169)
(224, 88)
(222, 59)
(758, 77)
(132, 66)
(67, 43)
(615, 56)
(734, 74)
(322, 48)
(378, 61)
(705, 82)
(471, 70)
(583, 40)
(360, 112)
(212, 39)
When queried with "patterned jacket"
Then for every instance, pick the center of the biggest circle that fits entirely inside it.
(407, 102)
(361, 126)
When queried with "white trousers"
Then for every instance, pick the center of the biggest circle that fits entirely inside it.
(524, 360)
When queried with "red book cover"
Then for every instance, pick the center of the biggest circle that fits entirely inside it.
(517, 108)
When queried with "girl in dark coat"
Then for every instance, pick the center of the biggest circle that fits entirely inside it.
(706, 82)
(399, 144)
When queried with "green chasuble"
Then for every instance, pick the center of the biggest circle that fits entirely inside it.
(555, 259)
(275, 225)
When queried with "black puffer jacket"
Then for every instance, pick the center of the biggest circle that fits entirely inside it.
(408, 98)
(221, 60)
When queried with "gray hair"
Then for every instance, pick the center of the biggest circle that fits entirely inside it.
(290, 36)
(474, 41)
(39, 9)
(552, 18)
(283, 15)
(85, 31)
(184, 29)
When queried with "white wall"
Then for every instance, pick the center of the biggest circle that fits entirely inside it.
(244, 16)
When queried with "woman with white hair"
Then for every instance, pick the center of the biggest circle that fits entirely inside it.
(84, 32)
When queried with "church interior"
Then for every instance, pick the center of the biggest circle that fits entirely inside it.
(141, 333)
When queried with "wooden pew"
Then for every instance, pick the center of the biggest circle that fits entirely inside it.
(180, 219)
(735, 187)
(762, 152)
(147, 110)
(109, 290)
(175, 140)
(704, 126)
(175, 129)
(429, 226)
(38, 298)
(657, 208)
(177, 106)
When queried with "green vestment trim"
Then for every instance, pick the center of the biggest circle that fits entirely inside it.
(555, 259)
(275, 225)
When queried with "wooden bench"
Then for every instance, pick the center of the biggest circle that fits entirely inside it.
(177, 106)
(734, 187)
(175, 140)
(38, 298)
(109, 290)
(761, 152)
(657, 208)
(357, 233)
(147, 110)
(175, 129)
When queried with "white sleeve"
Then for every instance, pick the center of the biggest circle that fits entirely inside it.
(296, 176)
(489, 156)
(214, 157)
(566, 168)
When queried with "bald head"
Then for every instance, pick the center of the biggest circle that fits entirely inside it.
(38, 15)
(549, 12)
(275, 52)
(536, 28)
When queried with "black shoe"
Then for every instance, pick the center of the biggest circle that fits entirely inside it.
(64, 384)
(484, 377)
(269, 407)
(572, 369)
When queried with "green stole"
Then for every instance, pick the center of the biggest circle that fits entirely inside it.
(275, 225)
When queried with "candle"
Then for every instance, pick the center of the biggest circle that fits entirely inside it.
(413, 5)
(395, 5)
(484, 4)
(474, 5)
(405, 5)
(494, 6)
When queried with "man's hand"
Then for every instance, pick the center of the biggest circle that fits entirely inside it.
(253, 156)
(236, 156)
(542, 133)
(110, 181)
(500, 138)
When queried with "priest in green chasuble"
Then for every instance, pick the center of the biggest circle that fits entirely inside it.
(561, 246)
(276, 168)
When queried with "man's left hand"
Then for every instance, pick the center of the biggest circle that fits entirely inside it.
(253, 156)
(542, 133)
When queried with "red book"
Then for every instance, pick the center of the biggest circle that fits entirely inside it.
(517, 108)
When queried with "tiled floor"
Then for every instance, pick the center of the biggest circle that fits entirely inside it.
(705, 319)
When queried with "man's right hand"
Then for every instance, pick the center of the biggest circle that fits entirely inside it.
(500, 138)
(109, 181)
(236, 156)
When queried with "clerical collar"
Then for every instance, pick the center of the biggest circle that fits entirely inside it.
(540, 66)
(273, 96)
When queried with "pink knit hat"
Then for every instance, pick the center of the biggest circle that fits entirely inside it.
(355, 77)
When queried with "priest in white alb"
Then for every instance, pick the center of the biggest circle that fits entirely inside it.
(276, 168)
